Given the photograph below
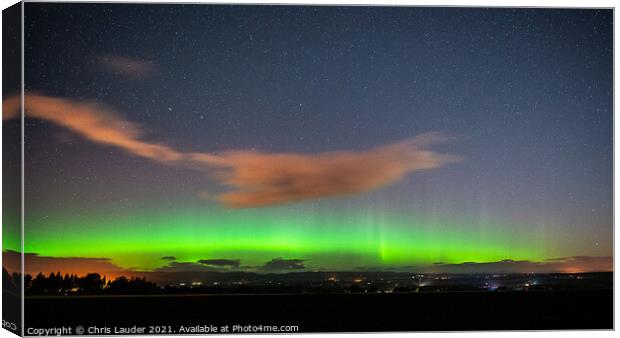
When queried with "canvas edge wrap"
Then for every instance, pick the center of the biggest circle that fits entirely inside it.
(12, 172)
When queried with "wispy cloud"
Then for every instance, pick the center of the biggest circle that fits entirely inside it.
(571, 264)
(267, 178)
(127, 66)
(185, 267)
(256, 178)
(234, 263)
(281, 264)
(94, 122)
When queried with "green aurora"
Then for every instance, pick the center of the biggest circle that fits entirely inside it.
(328, 242)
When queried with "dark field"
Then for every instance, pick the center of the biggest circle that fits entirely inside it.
(531, 310)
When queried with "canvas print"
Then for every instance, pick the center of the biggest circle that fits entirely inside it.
(200, 168)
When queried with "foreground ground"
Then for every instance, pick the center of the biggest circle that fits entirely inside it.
(531, 310)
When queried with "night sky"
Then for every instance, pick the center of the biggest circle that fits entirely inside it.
(335, 138)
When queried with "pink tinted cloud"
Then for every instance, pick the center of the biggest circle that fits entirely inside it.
(34, 264)
(265, 178)
(256, 178)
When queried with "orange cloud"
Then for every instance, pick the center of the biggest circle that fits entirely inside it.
(33, 264)
(264, 179)
(93, 122)
(257, 178)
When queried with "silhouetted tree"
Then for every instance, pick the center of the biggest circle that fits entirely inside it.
(7, 281)
(27, 281)
(91, 283)
(68, 282)
(131, 286)
(17, 280)
(39, 284)
(54, 283)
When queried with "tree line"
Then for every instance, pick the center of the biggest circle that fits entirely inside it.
(92, 283)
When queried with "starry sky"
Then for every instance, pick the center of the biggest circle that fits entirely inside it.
(332, 138)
